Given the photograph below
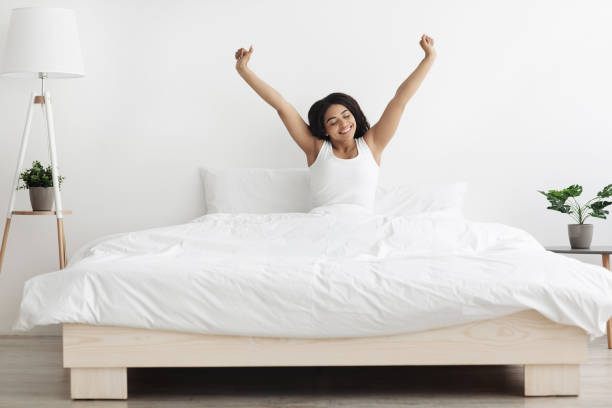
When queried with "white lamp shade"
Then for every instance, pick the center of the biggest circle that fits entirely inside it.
(42, 39)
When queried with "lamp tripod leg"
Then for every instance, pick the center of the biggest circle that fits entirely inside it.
(4, 239)
(56, 188)
(61, 242)
(22, 150)
(64, 245)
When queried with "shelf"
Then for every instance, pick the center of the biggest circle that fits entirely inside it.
(40, 212)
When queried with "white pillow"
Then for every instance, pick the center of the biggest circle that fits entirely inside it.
(264, 190)
(256, 190)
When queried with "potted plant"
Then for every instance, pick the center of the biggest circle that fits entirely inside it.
(39, 181)
(581, 234)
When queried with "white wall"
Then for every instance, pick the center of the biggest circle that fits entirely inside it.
(517, 100)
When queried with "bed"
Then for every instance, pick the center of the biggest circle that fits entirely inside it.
(414, 283)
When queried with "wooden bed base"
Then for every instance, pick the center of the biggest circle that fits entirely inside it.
(98, 356)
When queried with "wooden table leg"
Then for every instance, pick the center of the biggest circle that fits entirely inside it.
(605, 260)
(4, 239)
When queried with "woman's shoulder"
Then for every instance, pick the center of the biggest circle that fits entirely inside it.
(367, 139)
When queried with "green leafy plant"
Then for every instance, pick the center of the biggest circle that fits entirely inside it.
(37, 176)
(592, 208)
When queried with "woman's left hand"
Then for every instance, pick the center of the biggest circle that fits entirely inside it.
(427, 45)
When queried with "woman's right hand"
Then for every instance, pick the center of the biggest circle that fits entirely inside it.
(427, 44)
(242, 58)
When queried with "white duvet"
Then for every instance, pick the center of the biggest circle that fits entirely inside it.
(332, 272)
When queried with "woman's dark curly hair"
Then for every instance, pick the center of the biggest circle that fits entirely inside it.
(318, 109)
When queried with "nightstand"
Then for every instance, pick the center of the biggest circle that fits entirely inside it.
(604, 251)
(61, 238)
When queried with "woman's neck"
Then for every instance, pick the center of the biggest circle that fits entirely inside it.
(345, 146)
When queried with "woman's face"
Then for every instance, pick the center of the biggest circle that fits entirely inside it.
(339, 123)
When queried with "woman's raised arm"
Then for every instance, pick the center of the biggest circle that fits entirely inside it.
(298, 129)
(383, 131)
(264, 90)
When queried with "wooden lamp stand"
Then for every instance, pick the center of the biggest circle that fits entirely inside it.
(41, 42)
(45, 102)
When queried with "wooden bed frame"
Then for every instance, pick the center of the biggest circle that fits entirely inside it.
(98, 356)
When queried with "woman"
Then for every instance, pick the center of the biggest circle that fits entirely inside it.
(338, 133)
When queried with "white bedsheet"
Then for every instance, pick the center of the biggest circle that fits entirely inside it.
(326, 273)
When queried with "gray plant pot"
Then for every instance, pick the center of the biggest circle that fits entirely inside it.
(580, 235)
(42, 198)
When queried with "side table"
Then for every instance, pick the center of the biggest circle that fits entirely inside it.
(604, 251)
(61, 238)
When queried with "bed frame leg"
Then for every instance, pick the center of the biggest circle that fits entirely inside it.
(98, 383)
(551, 379)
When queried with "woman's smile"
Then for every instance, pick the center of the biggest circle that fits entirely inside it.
(346, 130)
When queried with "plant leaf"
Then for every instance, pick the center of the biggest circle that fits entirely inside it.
(606, 192)
(574, 190)
(557, 198)
(598, 209)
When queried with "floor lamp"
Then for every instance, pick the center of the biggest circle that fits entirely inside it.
(41, 43)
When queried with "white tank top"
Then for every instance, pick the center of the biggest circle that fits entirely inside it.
(344, 181)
